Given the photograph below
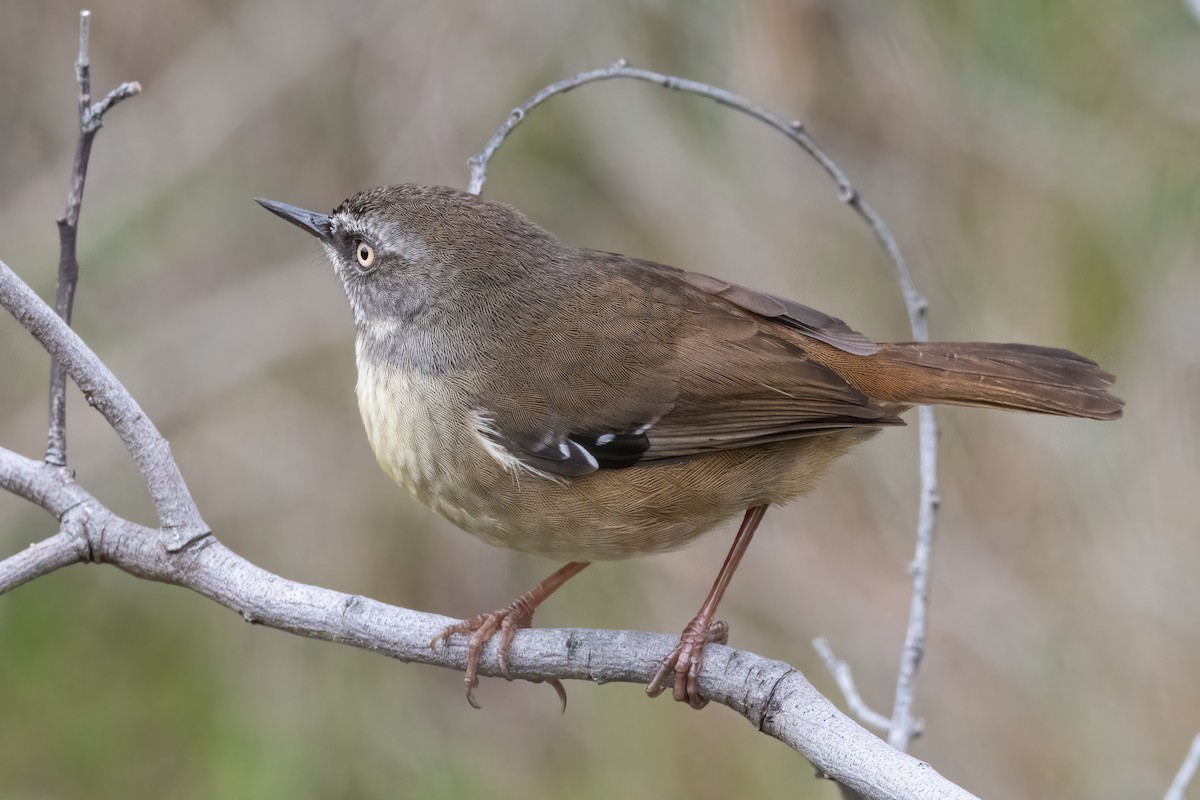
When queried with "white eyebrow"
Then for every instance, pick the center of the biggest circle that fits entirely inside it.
(386, 237)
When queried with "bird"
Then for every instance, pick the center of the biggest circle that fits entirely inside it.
(586, 406)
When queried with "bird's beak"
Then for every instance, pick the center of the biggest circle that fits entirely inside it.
(307, 221)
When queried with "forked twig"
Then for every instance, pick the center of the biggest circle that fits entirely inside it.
(91, 117)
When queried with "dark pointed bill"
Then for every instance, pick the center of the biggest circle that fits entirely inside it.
(307, 221)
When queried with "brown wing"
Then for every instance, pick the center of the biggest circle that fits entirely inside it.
(637, 361)
(808, 321)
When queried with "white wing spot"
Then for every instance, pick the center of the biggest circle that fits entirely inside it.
(581, 450)
(485, 430)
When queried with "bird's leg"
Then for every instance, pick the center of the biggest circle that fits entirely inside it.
(687, 658)
(508, 620)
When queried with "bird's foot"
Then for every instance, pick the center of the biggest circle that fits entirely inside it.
(505, 621)
(687, 659)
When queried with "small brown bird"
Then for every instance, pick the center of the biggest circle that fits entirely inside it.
(585, 405)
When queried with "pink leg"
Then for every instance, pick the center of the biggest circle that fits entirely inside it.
(687, 658)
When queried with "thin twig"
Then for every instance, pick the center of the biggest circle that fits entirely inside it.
(90, 119)
(1187, 771)
(902, 725)
(845, 681)
(177, 511)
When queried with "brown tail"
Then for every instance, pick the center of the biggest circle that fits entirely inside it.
(1020, 377)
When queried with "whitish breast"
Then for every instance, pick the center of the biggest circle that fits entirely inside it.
(417, 428)
(400, 411)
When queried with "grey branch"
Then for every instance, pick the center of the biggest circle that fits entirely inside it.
(90, 119)
(775, 698)
(40, 558)
(1187, 771)
(902, 726)
(177, 512)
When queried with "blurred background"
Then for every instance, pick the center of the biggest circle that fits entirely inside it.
(1038, 164)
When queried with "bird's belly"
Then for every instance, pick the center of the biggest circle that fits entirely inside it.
(423, 439)
(618, 513)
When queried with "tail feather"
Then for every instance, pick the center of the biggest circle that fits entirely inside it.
(1021, 377)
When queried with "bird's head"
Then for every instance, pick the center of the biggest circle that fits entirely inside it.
(402, 251)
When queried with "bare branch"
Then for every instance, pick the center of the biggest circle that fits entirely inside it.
(90, 119)
(845, 681)
(124, 91)
(60, 550)
(45, 485)
(773, 696)
(1187, 771)
(903, 725)
(54, 489)
(177, 512)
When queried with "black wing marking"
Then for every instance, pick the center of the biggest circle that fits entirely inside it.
(569, 455)
(614, 449)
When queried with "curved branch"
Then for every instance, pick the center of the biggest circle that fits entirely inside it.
(777, 699)
(177, 512)
(902, 726)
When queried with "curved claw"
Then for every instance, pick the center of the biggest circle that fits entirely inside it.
(471, 683)
(559, 689)
(506, 621)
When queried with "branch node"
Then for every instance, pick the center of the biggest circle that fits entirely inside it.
(75, 524)
(93, 117)
(770, 706)
(177, 541)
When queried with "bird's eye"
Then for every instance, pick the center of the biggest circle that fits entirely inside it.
(365, 255)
